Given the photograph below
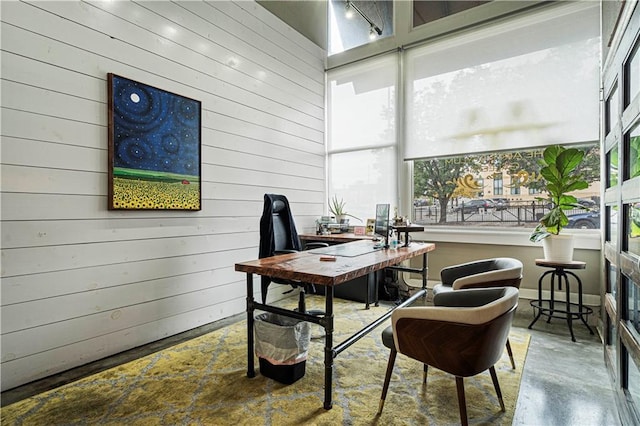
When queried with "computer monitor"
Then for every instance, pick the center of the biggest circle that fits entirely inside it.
(381, 227)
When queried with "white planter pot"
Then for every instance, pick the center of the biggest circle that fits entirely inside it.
(558, 248)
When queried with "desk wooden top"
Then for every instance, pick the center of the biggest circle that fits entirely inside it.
(335, 238)
(307, 267)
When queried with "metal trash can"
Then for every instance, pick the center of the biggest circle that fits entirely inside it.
(281, 344)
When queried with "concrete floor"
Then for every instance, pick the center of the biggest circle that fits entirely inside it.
(563, 383)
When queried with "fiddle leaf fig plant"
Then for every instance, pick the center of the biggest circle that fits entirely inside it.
(559, 165)
(337, 207)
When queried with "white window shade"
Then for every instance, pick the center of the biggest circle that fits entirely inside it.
(361, 104)
(526, 83)
(361, 136)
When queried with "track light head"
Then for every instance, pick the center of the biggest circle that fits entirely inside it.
(374, 32)
(348, 10)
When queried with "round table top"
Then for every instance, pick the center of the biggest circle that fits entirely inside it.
(574, 264)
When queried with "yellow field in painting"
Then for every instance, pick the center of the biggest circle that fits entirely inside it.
(145, 194)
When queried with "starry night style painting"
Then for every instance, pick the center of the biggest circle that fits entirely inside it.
(154, 148)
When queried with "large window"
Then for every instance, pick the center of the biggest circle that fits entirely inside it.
(478, 103)
(425, 11)
(476, 111)
(361, 146)
(527, 83)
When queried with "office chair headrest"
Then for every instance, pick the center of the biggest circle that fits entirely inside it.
(278, 206)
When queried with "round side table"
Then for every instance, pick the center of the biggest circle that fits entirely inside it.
(552, 308)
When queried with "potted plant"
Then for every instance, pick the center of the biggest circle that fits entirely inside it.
(559, 167)
(336, 207)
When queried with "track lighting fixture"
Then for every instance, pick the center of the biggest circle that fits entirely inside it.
(374, 30)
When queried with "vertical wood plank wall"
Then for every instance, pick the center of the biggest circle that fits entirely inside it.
(80, 282)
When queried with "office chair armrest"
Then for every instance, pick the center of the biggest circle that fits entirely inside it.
(314, 245)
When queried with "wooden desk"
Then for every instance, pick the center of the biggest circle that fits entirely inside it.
(363, 289)
(306, 266)
(344, 237)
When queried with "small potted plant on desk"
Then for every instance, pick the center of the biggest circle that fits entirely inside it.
(559, 167)
(336, 207)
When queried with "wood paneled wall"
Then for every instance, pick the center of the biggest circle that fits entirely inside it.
(80, 282)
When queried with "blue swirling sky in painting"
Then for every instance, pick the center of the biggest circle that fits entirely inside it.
(154, 129)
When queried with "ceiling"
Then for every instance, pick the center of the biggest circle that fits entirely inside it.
(308, 17)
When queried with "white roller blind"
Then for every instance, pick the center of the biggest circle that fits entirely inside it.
(528, 82)
(361, 142)
(361, 104)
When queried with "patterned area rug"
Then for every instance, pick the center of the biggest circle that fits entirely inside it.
(203, 381)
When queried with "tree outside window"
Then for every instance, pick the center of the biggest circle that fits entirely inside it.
(443, 186)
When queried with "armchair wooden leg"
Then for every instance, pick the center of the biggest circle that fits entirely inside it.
(425, 369)
(462, 402)
(496, 385)
(513, 363)
(387, 378)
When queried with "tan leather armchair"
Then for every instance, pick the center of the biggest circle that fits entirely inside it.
(463, 334)
(495, 272)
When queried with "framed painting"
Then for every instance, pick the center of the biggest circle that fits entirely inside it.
(154, 148)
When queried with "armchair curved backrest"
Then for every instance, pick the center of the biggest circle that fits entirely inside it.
(464, 337)
(463, 334)
(495, 272)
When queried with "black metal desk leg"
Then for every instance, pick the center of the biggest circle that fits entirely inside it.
(251, 372)
(425, 271)
(376, 287)
(367, 300)
(328, 348)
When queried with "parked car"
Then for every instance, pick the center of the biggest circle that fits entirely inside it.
(587, 220)
(501, 203)
(474, 206)
(590, 204)
(585, 202)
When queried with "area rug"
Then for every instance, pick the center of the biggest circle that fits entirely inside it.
(203, 382)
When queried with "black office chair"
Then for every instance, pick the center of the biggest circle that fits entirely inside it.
(278, 235)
